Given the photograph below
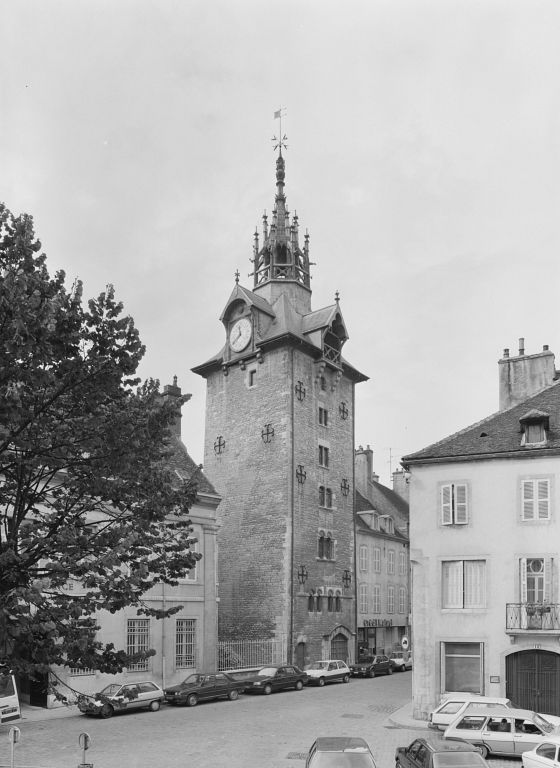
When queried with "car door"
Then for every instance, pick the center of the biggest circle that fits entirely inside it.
(332, 671)
(382, 663)
(412, 757)
(134, 699)
(208, 690)
(545, 756)
(527, 736)
(221, 685)
(279, 680)
(291, 677)
(497, 734)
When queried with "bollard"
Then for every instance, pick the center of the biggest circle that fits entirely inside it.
(14, 736)
(84, 740)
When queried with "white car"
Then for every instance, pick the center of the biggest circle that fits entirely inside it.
(545, 755)
(501, 731)
(402, 660)
(327, 671)
(455, 704)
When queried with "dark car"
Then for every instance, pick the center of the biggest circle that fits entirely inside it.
(339, 752)
(436, 752)
(201, 687)
(369, 666)
(272, 679)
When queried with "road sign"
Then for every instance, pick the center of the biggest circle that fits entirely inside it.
(84, 740)
(404, 643)
(14, 734)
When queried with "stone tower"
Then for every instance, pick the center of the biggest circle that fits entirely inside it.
(279, 447)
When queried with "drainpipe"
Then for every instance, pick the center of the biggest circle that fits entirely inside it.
(163, 637)
(292, 471)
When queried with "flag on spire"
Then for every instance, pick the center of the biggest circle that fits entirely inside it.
(277, 114)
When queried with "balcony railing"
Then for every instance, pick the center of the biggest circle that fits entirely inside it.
(533, 617)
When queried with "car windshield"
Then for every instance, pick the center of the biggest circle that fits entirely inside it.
(455, 759)
(266, 671)
(193, 680)
(543, 724)
(318, 665)
(111, 689)
(342, 760)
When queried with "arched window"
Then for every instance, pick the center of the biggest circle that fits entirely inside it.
(321, 495)
(321, 545)
(338, 602)
(330, 601)
(319, 602)
(328, 547)
(311, 602)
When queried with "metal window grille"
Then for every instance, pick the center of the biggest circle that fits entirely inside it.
(185, 643)
(138, 640)
(81, 671)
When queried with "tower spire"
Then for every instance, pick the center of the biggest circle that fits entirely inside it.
(280, 260)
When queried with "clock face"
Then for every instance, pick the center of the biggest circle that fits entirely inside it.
(240, 334)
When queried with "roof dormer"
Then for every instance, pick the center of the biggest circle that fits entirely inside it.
(534, 427)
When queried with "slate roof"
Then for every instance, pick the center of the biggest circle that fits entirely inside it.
(389, 503)
(498, 435)
(179, 461)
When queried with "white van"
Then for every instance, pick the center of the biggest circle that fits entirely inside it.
(454, 704)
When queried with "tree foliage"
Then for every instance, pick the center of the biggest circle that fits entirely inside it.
(85, 495)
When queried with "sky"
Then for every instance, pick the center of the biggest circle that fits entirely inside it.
(423, 158)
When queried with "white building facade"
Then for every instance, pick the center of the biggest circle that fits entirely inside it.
(485, 549)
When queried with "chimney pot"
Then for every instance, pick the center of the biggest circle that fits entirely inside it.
(545, 348)
(521, 346)
(506, 352)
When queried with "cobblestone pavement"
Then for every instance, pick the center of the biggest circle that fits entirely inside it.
(255, 731)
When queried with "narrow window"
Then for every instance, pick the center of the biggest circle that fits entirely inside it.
(323, 417)
(321, 546)
(535, 501)
(185, 643)
(390, 599)
(402, 600)
(391, 561)
(138, 641)
(338, 603)
(363, 601)
(402, 563)
(321, 495)
(376, 598)
(323, 456)
(363, 557)
(330, 601)
(453, 502)
(377, 560)
(252, 378)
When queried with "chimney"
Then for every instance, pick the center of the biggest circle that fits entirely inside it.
(400, 485)
(172, 390)
(363, 467)
(523, 376)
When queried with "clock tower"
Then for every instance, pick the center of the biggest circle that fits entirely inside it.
(279, 448)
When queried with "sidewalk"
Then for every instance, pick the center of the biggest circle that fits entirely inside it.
(402, 718)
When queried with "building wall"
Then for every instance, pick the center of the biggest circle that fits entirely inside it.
(197, 596)
(269, 521)
(495, 533)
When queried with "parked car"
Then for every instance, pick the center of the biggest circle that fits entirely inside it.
(455, 704)
(272, 679)
(339, 752)
(204, 687)
(321, 672)
(122, 698)
(434, 752)
(501, 731)
(372, 665)
(402, 660)
(546, 755)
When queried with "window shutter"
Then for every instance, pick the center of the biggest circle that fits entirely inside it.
(461, 511)
(543, 499)
(446, 509)
(547, 597)
(527, 504)
(523, 579)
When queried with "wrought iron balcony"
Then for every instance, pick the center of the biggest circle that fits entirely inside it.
(533, 617)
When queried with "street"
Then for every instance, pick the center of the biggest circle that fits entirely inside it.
(255, 731)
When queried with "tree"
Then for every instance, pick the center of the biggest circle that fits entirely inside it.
(85, 494)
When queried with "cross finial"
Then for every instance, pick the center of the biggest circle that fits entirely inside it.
(337, 296)
(236, 276)
(280, 143)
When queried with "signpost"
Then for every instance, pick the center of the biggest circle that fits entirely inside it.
(14, 735)
(84, 740)
(404, 643)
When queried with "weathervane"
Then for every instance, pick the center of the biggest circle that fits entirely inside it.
(281, 142)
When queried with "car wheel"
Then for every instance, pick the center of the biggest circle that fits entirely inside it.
(371, 673)
(154, 706)
(233, 695)
(299, 685)
(346, 679)
(107, 711)
(192, 700)
(483, 749)
(390, 671)
(321, 681)
(267, 690)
